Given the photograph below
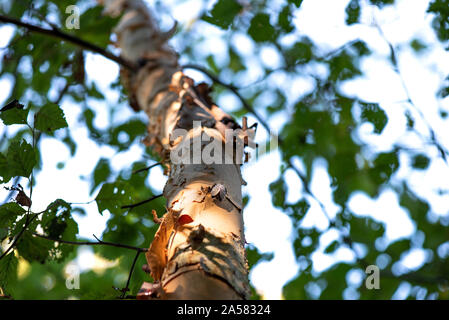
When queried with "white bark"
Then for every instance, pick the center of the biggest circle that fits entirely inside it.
(198, 251)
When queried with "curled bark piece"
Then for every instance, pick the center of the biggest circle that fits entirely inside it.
(149, 291)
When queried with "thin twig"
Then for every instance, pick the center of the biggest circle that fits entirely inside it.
(415, 277)
(362, 262)
(56, 33)
(39, 134)
(28, 221)
(394, 60)
(80, 203)
(104, 243)
(126, 288)
(307, 190)
(251, 110)
(323, 58)
(62, 93)
(90, 243)
(142, 202)
(119, 245)
(147, 168)
(232, 88)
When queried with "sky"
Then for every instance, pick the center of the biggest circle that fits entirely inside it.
(422, 75)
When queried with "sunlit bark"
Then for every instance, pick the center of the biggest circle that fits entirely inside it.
(199, 249)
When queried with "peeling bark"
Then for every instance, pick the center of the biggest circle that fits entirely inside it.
(198, 251)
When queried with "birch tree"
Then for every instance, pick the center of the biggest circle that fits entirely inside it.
(198, 251)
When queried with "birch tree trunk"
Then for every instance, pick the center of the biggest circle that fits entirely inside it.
(199, 250)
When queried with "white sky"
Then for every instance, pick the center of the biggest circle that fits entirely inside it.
(324, 22)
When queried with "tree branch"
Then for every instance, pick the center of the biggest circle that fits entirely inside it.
(90, 243)
(251, 110)
(394, 60)
(27, 223)
(147, 168)
(415, 277)
(56, 33)
(232, 88)
(126, 288)
(142, 202)
(105, 243)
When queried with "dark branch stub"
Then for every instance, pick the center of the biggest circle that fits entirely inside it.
(129, 206)
(218, 191)
(147, 168)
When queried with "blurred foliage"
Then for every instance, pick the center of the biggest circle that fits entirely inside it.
(321, 124)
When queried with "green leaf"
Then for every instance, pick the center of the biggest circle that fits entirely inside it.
(5, 173)
(58, 223)
(417, 45)
(113, 196)
(14, 113)
(20, 160)
(299, 53)
(260, 28)
(441, 10)
(94, 92)
(297, 211)
(397, 248)
(373, 113)
(417, 208)
(284, 19)
(212, 64)
(384, 166)
(235, 62)
(50, 118)
(60, 165)
(278, 104)
(102, 171)
(278, 189)
(70, 143)
(9, 212)
(223, 13)
(444, 90)
(388, 286)
(343, 66)
(295, 289)
(332, 247)
(365, 229)
(410, 120)
(55, 218)
(254, 256)
(305, 249)
(8, 270)
(95, 27)
(34, 248)
(421, 162)
(335, 278)
(297, 3)
(353, 12)
(381, 3)
(131, 129)
(361, 48)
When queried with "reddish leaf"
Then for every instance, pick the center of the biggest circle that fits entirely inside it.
(184, 219)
